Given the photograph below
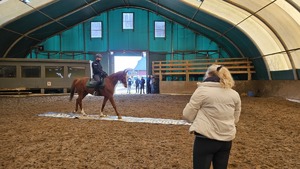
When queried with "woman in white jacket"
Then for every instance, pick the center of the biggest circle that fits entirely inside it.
(214, 111)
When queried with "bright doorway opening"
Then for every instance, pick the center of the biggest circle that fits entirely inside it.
(126, 62)
(137, 66)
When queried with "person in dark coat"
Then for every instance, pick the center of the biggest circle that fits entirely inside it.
(137, 85)
(148, 84)
(142, 86)
(98, 73)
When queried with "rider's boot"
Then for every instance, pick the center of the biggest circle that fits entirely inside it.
(101, 83)
(96, 92)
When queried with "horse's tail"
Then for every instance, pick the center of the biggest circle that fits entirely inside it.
(72, 91)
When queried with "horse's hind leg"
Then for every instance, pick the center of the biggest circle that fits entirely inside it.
(112, 101)
(79, 103)
(103, 105)
(76, 106)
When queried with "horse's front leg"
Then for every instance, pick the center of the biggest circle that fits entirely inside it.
(103, 105)
(112, 101)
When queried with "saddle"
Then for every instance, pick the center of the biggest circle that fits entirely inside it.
(93, 83)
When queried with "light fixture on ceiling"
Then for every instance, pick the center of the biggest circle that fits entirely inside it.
(25, 1)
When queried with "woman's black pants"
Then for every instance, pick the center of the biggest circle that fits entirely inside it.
(207, 151)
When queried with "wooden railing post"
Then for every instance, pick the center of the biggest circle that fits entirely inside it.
(160, 74)
(248, 70)
(187, 75)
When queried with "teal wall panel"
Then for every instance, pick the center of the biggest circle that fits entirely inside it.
(282, 75)
(72, 39)
(179, 43)
(260, 67)
(128, 39)
(159, 44)
(53, 44)
(96, 44)
(183, 38)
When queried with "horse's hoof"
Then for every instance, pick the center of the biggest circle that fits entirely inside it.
(103, 115)
(120, 117)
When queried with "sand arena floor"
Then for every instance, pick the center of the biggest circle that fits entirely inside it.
(268, 134)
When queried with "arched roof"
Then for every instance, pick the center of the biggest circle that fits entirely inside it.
(265, 30)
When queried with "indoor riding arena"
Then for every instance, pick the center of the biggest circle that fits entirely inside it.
(156, 54)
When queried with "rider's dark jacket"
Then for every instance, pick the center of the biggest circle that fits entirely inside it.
(97, 69)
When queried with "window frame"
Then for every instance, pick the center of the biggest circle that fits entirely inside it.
(26, 71)
(8, 71)
(155, 29)
(95, 31)
(124, 26)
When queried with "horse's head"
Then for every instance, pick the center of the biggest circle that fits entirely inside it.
(123, 79)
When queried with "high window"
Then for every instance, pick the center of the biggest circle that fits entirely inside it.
(160, 29)
(96, 29)
(127, 20)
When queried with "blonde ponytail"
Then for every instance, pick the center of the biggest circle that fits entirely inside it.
(223, 73)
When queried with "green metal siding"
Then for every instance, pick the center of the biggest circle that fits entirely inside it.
(179, 43)
(135, 39)
(184, 39)
(259, 67)
(72, 40)
(159, 44)
(282, 75)
(53, 44)
(96, 44)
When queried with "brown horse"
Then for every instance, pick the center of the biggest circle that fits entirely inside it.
(79, 86)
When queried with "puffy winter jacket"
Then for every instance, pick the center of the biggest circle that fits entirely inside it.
(214, 111)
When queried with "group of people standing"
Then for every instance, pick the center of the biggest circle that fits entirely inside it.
(139, 85)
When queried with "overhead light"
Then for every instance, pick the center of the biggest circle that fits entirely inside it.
(25, 1)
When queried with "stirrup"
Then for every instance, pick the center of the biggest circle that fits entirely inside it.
(95, 93)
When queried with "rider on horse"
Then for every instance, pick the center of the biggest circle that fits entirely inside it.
(98, 73)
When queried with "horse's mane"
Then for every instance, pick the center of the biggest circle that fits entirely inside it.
(118, 74)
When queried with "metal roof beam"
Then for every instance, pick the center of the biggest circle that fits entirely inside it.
(272, 29)
(197, 23)
(45, 24)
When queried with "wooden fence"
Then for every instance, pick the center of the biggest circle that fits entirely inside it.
(199, 67)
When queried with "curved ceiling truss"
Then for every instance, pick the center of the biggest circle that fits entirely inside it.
(242, 28)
